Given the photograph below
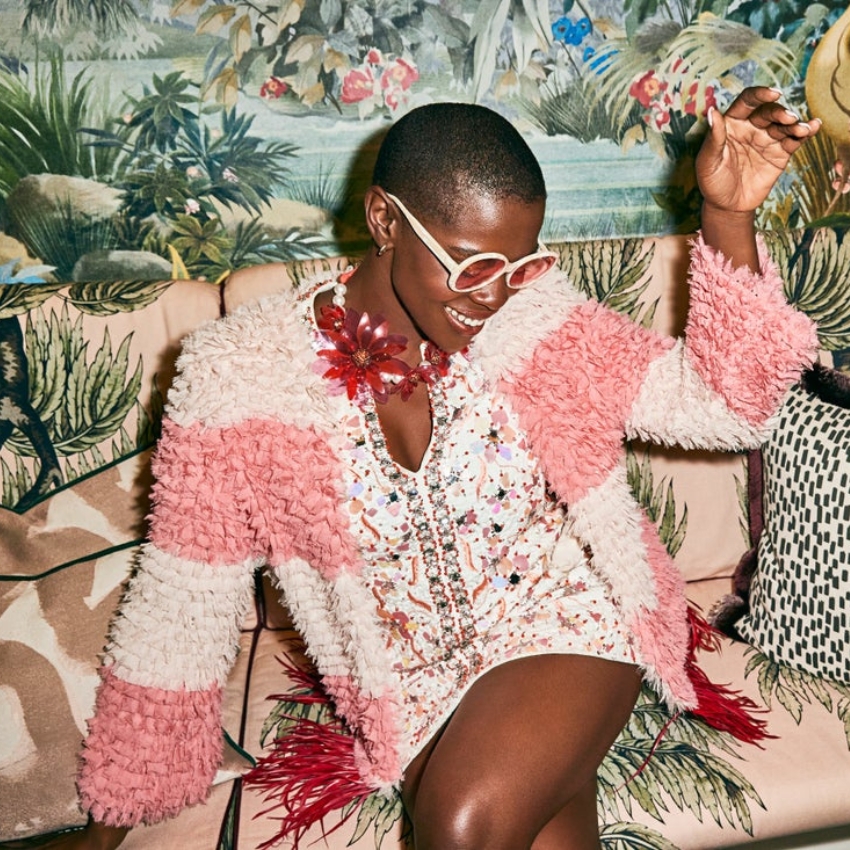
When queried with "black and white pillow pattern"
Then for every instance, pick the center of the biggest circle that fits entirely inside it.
(800, 595)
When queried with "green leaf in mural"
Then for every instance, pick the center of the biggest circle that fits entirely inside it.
(658, 762)
(793, 689)
(287, 712)
(40, 121)
(659, 501)
(612, 271)
(16, 482)
(115, 296)
(712, 47)
(301, 271)
(195, 239)
(16, 299)
(378, 812)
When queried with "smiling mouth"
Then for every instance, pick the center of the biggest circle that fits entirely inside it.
(465, 320)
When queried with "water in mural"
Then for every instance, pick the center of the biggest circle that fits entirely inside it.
(143, 137)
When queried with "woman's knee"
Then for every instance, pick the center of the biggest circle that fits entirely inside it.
(470, 821)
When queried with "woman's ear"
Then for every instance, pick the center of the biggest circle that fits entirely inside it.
(380, 217)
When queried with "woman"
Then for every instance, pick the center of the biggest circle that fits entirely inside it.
(427, 453)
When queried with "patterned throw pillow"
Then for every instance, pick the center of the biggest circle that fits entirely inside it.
(83, 369)
(799, 597)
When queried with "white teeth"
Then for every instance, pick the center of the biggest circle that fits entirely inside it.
(465, 320)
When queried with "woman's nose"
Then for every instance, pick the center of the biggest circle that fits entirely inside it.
(494, 295)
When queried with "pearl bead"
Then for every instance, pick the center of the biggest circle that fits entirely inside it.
(340, 290)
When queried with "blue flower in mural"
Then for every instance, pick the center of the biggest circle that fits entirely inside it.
(571, 32)
(28, 275)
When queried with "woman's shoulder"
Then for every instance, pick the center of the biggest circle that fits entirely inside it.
(260, 303)
(257, 360)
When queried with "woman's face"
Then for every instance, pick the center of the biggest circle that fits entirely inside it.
(451, 320)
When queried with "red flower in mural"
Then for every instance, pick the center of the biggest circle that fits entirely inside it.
(374, 57)
(358, 84)
(361, 353)
(399, 74)
(647, 88)
(659, 117)
(273, 88)
(396, 79)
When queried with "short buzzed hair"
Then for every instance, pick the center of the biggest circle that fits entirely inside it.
(436, 156)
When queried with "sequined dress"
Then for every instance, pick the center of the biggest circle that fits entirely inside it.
(468, 558)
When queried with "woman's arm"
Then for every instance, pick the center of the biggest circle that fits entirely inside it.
(744, 345)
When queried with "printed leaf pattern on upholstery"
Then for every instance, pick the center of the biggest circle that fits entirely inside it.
(794, 689)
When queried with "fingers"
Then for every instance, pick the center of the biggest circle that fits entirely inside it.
(760, 106)
(750, 99)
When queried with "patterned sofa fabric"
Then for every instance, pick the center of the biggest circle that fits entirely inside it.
(83, 372)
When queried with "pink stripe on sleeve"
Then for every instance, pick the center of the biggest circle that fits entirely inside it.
(375, 717)
(575, 391)
(149, 752)
(664, 633)
(259, 488)
(746, 342)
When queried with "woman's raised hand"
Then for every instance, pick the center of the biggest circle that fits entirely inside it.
(747, 148)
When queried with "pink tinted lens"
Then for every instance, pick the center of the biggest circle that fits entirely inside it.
(529, 271)
(479, 271)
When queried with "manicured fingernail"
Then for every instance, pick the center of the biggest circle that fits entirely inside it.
(806, 125)
(778, 91)
(709, 116)
(793, 114)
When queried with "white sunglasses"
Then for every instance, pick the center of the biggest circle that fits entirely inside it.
(480, 270)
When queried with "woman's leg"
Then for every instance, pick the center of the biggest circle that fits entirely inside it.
(518, 758)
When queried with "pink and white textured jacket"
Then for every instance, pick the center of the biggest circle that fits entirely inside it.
(249, 473)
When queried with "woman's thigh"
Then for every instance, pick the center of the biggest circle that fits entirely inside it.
(525, 740)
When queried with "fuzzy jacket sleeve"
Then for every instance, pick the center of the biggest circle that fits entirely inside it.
(242, 469)
(744, 346)
(155, 741)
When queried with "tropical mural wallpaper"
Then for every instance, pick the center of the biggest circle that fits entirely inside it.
(139, 136)
(148, 140)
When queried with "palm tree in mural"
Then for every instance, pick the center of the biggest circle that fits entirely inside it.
(85, 28)
(659, 83)
(106, 17)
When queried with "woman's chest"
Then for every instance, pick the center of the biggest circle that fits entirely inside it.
(479, 486)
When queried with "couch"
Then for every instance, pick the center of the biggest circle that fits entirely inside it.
(84, 369)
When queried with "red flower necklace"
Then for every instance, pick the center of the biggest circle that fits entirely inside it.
(365, 351)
